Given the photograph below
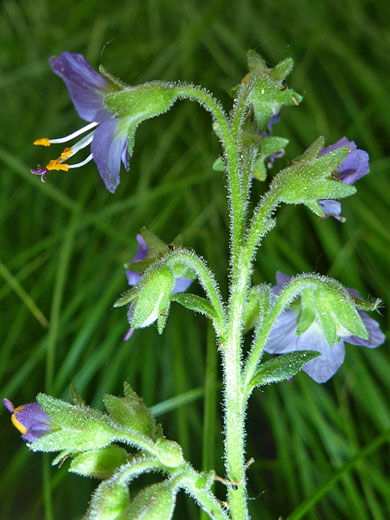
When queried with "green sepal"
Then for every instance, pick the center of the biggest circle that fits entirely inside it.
(195, 303)
(334, 303)
(75, 396)
(131, 412)
(259, 170)
(307, 313)
(282, 70)
(272, 145)
(116, 82)
(169, 452)
(309, 179)
(155, 502)
(153, 297)
(99, 463)
(76, 428)
(255, 62)
(126, 297)
(219, 165)
(142, 101)
(282, 367)
(256, 306)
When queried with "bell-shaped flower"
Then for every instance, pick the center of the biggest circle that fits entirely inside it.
(286, 336)
(30, 419)
(353, 168)
(112, 120)
(143, 253)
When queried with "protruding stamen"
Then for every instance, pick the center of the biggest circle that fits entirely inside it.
(43, 141)
(89, 158)
(55, 164)
(67, 152)
(70, 136)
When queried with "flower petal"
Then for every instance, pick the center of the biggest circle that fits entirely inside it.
(86, 87)
(354, 167)
(325, 366)
(108, 145)
(376, 336)
(283, 336)
(181, 285)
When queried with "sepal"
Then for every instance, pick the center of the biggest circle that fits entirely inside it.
(281, 368)
(79, 428)
(153, 298)
(337, 314)
(309, 179)
(131, 412)
(155, 502)
(99, 463)
(257, 306)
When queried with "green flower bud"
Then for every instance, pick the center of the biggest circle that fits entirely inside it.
(169, 452)
(109, 502)
(155, 502)
(153, 298)
(99, 463)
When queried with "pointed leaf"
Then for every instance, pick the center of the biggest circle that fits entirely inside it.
(282, 367)
(195, 303)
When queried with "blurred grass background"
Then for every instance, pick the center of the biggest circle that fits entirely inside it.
(320, 451)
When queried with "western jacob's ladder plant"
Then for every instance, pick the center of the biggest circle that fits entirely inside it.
(305, 319)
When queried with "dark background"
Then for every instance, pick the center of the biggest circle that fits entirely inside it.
(63, 243)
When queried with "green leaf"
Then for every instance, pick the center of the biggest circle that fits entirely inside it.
(195, 303)
(282, 367)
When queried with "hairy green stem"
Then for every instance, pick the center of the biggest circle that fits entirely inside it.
(231, 152)
(206, 278)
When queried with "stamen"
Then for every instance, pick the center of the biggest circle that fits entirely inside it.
(43, 141)
(55, 164)
(85, 141)
(74, 134)
(66, 153)
(89, 158)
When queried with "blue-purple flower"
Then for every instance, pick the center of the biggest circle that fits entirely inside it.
(30, 419)
(354, 166)
(284, 338)
(181, 283)
(106, 134)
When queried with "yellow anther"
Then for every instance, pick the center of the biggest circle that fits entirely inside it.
(16, 423)
(245, 79)
(56, 165)
(43, 141)
(65, 154)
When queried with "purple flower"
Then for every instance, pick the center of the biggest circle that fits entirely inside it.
(181, 283)
(283, 338)
(107, 135)
(30, 419)
(354, 166)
